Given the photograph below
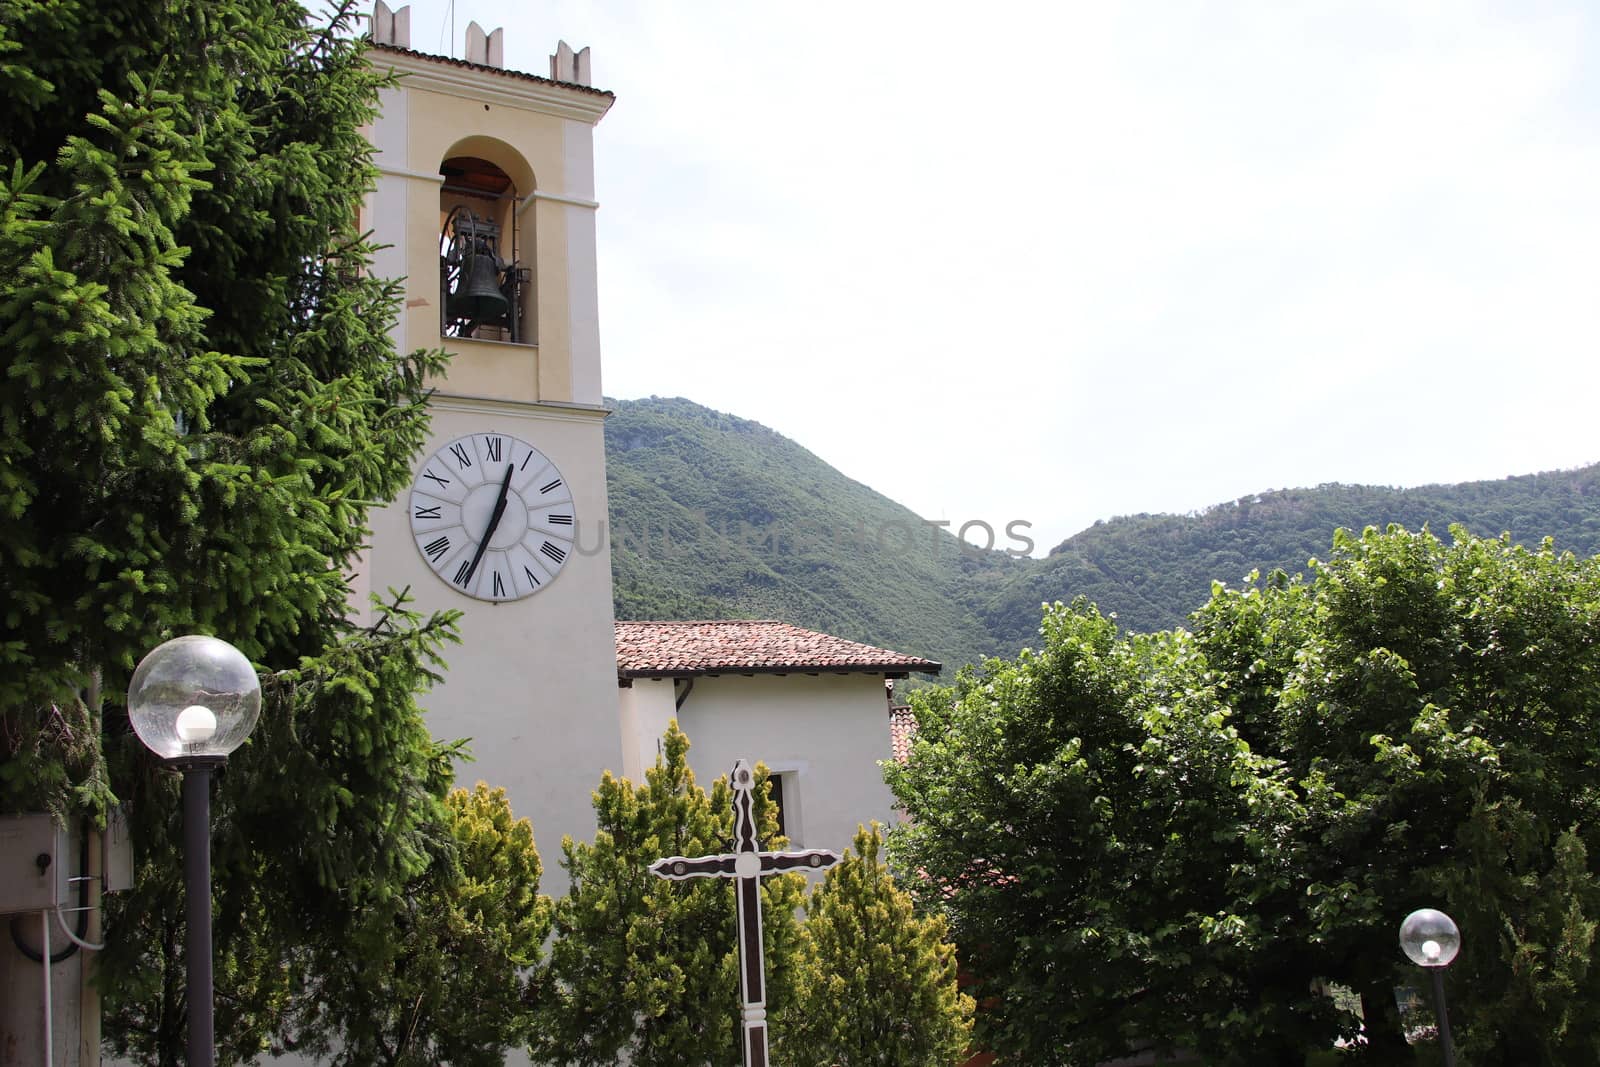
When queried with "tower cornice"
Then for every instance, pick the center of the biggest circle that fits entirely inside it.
(492, 85)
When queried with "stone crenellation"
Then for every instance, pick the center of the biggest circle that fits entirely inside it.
(392, 26)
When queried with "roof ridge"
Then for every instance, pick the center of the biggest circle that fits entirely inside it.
(709, 622)
(681, 647)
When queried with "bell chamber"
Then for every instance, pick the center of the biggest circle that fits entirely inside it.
(482, 285)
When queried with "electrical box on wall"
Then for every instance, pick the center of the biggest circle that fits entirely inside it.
(35, 863)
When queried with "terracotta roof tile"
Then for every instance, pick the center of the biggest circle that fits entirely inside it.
(902, 725)
(451, 61)
(748, 646)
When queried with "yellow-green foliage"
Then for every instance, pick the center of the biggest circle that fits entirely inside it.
(496, 903)
(645, 967)
(875, 982)
(443, 973)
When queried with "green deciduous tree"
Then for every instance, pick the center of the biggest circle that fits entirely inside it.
(1085, 817)
(875, 983)
(200, 404)
(1438, 713)
(645, 967)
(1171, 837)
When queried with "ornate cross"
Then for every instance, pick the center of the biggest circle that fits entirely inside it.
(747, 865)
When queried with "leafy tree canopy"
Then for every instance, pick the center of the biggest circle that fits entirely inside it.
(1178, 838)
(875, 982)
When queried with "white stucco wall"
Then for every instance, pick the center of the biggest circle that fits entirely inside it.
(647, 707)
(827, 732)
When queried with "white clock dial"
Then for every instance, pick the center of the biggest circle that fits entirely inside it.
(492, 516)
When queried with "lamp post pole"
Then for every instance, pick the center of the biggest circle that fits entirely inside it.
(1430, 939)
(197, 907)
(1443, 1016)
(192, 701)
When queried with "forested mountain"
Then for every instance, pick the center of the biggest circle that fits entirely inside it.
(1152, 570)
(715, 516)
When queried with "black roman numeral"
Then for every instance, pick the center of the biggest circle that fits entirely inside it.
(532, 577)
(443, 482)
(560, 520)
(499, 586)
(552, 485)
(493, 445)
(525, 460)
(437, 548)
(463, 572)
(424, 512)
(555, 554)
(463, 458)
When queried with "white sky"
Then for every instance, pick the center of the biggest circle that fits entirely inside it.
(1064, 261)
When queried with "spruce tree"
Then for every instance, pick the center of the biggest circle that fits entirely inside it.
(874, 983)
(646, 968)
(199, 405)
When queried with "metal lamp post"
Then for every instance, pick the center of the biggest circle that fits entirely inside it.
(1431, 940)
(192, 701)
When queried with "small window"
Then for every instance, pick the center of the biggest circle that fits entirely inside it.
(778, 782)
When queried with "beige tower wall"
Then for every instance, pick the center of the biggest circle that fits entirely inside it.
(533, 681)
(542, 135)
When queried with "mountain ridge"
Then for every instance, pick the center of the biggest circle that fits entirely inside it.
(718, 516)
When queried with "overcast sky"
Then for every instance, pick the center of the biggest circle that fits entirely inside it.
(1059, 262)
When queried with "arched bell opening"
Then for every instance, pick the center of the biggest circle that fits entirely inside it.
(485, 279)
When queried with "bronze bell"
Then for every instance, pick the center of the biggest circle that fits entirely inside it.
(477, 295)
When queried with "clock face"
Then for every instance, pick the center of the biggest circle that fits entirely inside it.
(492, 516)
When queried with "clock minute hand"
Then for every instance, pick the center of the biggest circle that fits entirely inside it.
(494, 523)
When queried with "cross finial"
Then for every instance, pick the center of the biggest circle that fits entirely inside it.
(747, 865)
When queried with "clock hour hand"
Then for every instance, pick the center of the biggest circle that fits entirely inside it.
(494, 522)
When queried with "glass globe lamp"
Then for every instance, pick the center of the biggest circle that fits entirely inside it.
(194, 698)
(1430, 938)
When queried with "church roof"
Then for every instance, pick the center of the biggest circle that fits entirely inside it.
(749, 646)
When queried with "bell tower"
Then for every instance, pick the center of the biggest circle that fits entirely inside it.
(485, 203)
